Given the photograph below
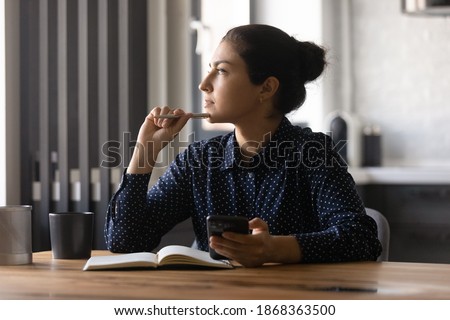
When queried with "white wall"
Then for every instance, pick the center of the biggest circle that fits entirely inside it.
(302, 19)
(401, 79)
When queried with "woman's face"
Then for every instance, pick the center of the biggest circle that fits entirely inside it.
(228, 94)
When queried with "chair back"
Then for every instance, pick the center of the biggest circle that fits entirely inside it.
(384, 232)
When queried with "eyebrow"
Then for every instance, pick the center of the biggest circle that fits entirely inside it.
(216, 63)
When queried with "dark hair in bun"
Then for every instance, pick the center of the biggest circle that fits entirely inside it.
(269, 51)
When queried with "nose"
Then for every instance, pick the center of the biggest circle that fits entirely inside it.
(205, 84)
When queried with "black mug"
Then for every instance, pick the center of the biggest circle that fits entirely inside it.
(71, 234)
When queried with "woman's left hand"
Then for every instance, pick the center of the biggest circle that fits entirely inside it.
(249, 250)
(257, 248)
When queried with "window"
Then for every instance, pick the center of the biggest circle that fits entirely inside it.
(300, 18)
(303, 20)
(3, 186)
(217, 17)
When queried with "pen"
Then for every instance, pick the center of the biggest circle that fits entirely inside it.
(174, 116)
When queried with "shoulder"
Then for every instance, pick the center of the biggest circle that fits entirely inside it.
(316, 148)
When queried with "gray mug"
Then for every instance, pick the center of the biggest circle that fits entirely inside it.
(15, 235)
(71, 234)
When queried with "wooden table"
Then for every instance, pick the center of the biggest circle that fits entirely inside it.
(47, 278)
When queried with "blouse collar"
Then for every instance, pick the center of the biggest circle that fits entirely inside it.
(275, 153)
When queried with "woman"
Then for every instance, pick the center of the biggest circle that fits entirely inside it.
(295, 190)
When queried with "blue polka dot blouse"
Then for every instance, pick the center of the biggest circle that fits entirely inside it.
(298, 184)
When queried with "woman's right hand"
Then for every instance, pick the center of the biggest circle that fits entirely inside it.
(154, 134)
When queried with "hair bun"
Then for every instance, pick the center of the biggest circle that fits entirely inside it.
(311, 60)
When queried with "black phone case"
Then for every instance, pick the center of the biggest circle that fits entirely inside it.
(218, 224)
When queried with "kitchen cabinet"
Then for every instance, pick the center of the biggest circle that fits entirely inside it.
(419, 218)
(417, 205)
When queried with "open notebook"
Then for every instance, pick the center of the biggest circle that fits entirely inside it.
(169, 257)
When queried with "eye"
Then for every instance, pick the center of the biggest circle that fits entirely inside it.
(217, 70)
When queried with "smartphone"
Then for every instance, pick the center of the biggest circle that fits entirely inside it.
(218, 224)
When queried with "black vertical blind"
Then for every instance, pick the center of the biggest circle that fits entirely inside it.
(83, 88)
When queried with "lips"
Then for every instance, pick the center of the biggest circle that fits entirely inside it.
(207, 103)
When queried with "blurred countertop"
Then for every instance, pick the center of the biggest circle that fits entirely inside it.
(431, 175)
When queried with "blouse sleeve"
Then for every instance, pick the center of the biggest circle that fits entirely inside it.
(137, 217)
(346, 233)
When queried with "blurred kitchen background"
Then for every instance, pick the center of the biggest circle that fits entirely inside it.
(78, 77)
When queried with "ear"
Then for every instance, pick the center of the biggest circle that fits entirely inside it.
(269, 88)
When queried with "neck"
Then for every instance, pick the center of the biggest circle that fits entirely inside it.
(252, 137)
